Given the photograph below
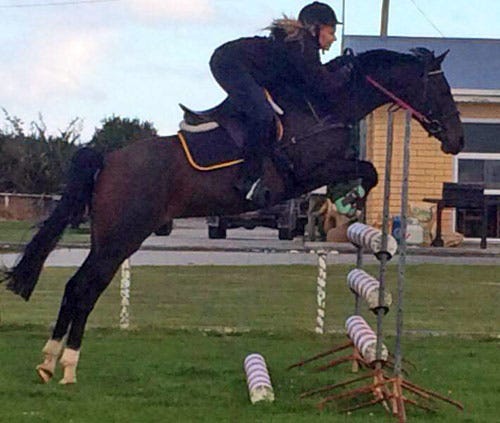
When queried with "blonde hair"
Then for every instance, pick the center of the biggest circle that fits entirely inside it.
(293, 28)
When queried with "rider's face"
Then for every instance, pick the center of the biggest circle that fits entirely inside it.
(326, 36)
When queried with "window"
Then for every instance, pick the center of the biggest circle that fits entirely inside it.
(480, 163)
(485, 171)
(482, 137)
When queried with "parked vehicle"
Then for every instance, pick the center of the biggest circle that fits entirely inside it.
(289, 217)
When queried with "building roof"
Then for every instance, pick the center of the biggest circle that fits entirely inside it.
(473, 64)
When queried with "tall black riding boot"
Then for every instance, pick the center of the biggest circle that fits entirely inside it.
(250, 183)
(285, 167)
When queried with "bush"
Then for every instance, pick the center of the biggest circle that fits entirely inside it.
(36, 162)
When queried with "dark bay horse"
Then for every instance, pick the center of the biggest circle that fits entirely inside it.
(135, 190)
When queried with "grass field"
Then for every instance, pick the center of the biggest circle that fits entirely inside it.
(454, 299)
(185, 376)
(21, 232)
(175, 365)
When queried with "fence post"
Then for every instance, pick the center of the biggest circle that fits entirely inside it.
(321, 292)
(125, 295)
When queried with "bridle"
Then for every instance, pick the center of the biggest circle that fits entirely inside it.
(434, 126)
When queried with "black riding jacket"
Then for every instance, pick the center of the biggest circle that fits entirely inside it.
(290, 55)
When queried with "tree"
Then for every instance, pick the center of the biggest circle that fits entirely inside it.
(117, 132)
(35, 162)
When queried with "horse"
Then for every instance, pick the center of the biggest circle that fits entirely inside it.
(134, 191)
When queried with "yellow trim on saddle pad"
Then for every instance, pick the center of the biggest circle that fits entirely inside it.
(204, 168)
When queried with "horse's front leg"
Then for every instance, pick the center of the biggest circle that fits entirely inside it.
(333, 170)
(355, 199)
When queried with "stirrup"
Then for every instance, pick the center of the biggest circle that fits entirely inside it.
(259, 194)
(253, 188)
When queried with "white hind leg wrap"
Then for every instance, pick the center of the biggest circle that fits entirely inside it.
(69, 362)
(51, 352)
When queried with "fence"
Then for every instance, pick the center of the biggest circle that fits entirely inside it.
(15, 206)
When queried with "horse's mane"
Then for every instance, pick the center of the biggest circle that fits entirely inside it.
(376, 59)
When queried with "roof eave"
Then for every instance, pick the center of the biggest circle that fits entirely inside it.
(465, 95)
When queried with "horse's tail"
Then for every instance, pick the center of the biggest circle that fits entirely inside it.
(23, 277)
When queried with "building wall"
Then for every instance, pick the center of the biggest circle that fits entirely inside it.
(429, 166)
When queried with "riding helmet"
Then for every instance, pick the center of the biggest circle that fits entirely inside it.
(318, 13)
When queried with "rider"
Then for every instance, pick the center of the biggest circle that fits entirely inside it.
(290, 55)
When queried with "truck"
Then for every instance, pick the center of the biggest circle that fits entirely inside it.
(289, 217)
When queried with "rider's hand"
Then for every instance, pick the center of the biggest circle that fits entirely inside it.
(344, 73)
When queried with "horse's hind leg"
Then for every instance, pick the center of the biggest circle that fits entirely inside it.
(51, 352)
(80, 296)
(99, 273)
(54, 346)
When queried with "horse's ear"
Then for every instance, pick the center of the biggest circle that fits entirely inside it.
(440, 58)
(422, 53)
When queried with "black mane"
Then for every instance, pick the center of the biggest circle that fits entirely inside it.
(375, 59)
(372, 60)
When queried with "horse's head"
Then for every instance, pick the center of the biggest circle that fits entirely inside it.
(417, 79)
(441, 117)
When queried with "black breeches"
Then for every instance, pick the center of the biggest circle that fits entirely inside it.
(248, 98)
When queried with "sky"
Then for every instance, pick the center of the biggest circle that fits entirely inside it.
(92, 59)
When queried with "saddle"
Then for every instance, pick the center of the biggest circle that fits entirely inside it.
(214, 138)
(220, 115)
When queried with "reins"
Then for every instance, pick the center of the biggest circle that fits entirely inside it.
(401, 103)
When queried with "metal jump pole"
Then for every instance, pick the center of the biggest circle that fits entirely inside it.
(398, 357)
(383, 255)
(362, 218)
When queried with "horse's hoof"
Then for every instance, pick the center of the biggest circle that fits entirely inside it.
(44, 374)
(69, 376)
(69, 361)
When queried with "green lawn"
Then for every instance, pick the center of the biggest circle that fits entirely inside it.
(454, 299)
(187, 376)
(175, 365)
(21, 232)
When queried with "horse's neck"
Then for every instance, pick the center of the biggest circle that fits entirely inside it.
(364, 98)
(351, 104)
(364, 101)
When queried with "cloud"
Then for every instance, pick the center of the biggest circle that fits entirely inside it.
(157, 11)
(53, 66)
